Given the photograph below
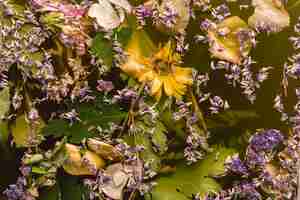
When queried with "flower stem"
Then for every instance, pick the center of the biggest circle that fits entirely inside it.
(198, 112)
(130, 116)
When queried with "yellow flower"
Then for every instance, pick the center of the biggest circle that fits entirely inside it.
(160, 70)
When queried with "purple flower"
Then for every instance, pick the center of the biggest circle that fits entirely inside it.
(236, 165)
(254, 159)
(125, 95)
(105, 86)
(266, 140)
(142, 12)
(248, 191)
(221, 12)
(217, 104)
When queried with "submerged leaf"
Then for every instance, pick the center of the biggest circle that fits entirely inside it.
(105, 150)
(224, 40)
(81, 164)
(148, 155)
(189, 180)
(26, 134)
(159, 138)
(4, 102)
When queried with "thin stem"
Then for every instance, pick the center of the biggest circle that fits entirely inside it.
(198, 111)
(130, 116)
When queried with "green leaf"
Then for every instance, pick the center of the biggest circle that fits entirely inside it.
(24, 133)
(99, 114)
(102, 116)
(67, 188)
(189, 180)
(148, 155)
(102, 48)
(38, 170)
(71, 188)
(159, 138)
(52, 193)
(59, 128)
(4, 101)
(123, 35)
(230, 118)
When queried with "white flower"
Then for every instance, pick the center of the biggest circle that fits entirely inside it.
(269, 14)
(109, 14)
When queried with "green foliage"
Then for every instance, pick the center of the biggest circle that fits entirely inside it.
(91, 116)
(4, 101)
(4, 108)
(230, 118)
(189, 180)
(148, 155)
(159, 138)
(123, 35)
(24, 133)
(66, 188)
(59, 128)
(102, 48)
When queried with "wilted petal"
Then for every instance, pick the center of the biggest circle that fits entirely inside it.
(78, 164)
(114, 188)
(122, 4)
(270, 15)
(105, 14)
(224, 40)
(105, 150)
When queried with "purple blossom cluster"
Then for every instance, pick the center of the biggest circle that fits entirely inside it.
(243, 76)
(258, 167)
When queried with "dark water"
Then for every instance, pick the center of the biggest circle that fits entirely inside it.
(272, 50)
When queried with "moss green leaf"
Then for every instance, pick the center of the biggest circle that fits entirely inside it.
(148, 155)
(102, 49)
(24, 133)
(159, 138)
(189, 180)
(4, 101)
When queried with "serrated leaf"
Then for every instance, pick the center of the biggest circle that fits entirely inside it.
(103, 116)
(148, 155)
(59, 128)
(189, 180)
(102, 48)
(159, 138)
(90, 115)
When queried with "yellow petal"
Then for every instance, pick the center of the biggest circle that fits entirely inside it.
(147, 75)
(168, 87)
(156, 85)
(158, 95)
(183, 75)
(179, 89)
